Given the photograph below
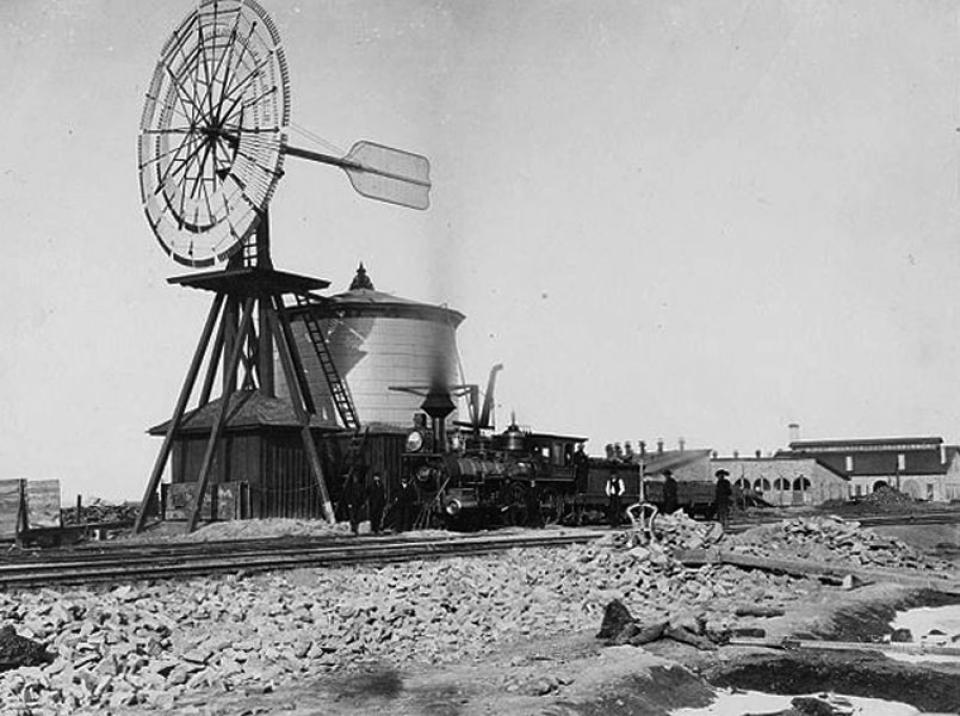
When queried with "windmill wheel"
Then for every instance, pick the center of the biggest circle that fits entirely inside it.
(213, 130)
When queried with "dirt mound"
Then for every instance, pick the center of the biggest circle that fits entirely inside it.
(884, 500)
(167, 532)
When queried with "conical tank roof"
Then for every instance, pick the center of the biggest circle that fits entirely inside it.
(362, 299)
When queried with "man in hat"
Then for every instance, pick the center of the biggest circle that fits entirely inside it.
(721, 497)
(581, 468)
(353, 499)
(532, 504)
(406, 504)
(614, 489)
(669, 492)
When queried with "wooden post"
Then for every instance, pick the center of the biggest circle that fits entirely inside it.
(185, 391)
(230, 339)
(212, 366)
(296, 398)
(230, 375)
(265, 351)
(301, 374)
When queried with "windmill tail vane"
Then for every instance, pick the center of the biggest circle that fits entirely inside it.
(380, 172)
(375, 171)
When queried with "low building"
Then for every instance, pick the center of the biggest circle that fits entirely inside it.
(785, 481)
(923, 467)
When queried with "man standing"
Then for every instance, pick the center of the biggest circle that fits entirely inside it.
(532, 504)
(614, 489)
(581, 468)
(406, 504)
(721, 497)
(353, 498)
(669, 493)
(376, 500)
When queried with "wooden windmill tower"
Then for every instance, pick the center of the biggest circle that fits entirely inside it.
(213, 139)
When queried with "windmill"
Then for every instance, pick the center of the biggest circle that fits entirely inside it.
(213, 140)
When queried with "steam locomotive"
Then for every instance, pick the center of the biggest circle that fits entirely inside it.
(471, 477)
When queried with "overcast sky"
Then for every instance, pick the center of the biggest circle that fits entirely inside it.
(697, 219)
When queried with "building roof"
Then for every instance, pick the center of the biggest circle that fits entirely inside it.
(671, 460)
(247, 409)
(867, 444)
(752, 467)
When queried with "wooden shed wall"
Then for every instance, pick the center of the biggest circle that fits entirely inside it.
(274, 465)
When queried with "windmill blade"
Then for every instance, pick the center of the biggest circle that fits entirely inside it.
(388, 174)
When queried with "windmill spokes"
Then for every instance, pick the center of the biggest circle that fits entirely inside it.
(213, 136)
(222, 67)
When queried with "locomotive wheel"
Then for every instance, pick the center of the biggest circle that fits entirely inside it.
(551, 506)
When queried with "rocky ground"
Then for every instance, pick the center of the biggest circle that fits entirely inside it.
(510, 633)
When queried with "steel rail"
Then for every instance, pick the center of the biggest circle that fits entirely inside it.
(174, 564)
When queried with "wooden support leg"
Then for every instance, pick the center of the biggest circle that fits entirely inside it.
(185, 391)
(230, 375)
(265, 350)
(296, 397)
(212, 366)
(295, 357)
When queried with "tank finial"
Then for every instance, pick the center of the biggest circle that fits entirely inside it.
(361, 280)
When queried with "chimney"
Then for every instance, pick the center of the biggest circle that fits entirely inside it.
(794, 430)
(757, 454)
(736, 454)
(438, 406)
(681, 443)
(660, 446)
(715, 454)
(643, 448)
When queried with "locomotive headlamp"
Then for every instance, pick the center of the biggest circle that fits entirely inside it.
(414, 441)
(453, 507)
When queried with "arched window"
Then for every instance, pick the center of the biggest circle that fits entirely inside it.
(761, 485)
(743, 483)
(781, 484)
(880, 485)
(801, 484)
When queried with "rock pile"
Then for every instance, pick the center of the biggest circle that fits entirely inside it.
(672, 532)
(149, 644)
(829, 540)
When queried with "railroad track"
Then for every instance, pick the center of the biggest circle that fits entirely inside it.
(129, 563)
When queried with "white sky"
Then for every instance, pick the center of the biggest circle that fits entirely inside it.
(697, 219)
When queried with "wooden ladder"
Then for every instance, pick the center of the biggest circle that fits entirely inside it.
(342, 400)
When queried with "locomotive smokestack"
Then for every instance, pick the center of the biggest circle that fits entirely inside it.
(438, 406)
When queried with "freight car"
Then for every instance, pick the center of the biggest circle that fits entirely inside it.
(695, 497)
